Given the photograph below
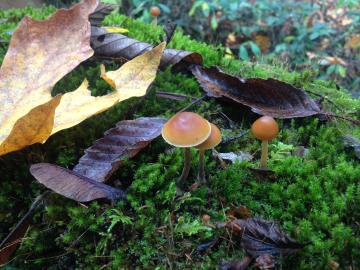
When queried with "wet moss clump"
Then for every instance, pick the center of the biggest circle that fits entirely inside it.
(315, 198)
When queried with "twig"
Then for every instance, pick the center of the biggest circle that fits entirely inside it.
(234, 138)
(329, 114)
(27, 216)
(173, 96)
(193, 103)
(326, 98)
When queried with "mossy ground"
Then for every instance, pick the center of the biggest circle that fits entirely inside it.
(315, 198)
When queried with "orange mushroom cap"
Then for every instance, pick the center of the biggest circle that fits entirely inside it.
(155, 11)
(265, 128)
(213, 140)
(186, 129)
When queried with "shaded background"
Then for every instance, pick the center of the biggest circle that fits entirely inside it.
(316, 35)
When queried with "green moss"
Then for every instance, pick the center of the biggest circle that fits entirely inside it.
(315, 198)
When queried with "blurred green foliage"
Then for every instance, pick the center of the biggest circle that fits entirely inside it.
(320, 35)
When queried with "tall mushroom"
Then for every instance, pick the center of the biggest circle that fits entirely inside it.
(265, 129)
(185, 130)
(213, 140)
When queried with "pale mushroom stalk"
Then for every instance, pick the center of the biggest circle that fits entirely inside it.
(213, 140)
(201, 177)
(185, 172)
(264, 154)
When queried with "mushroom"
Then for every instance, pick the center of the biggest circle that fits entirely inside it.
(185, 130)
(213, 140)
(265, 129)
(155, 11)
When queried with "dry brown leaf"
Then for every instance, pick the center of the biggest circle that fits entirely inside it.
(47, 50)
(113, 46)
(264, 96)
(73, 185)
(123, 141)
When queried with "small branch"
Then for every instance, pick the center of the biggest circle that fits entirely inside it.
(353, 121)
(326, 98)
(193, 103)
(173, 96)
(242, 134)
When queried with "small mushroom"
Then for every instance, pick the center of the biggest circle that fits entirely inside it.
(155, 11)
(185, 130)
(213, 140)
(265, 129)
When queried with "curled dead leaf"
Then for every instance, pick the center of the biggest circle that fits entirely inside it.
(73, 185)
(267, 97)
(123, 141)
(113, 45)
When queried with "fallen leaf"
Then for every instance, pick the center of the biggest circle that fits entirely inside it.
(259, 236)
(265, 261)
(28, 113)
(14, 238)
(131, 80)
(266, 97)
(40, 53)
(123, 141)
(73, 185)
(114, 45)
(100, 13)
(236, 265)
(135, 76)
(34, 127)
(236, 157)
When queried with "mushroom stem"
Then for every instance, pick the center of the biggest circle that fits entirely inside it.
(180, 183)
(201, 175)
(264, 154)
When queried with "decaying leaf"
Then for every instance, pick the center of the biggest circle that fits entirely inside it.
(259, 236)
(131, 80)
(123, 141)
(265, 262)
(236, 265)
(14, 238)
(40, 54)
(115, 45)
(73, 185)
(236, 157)
(100, 13)
(267, 97)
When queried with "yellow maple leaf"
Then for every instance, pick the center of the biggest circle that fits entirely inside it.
(39, 55)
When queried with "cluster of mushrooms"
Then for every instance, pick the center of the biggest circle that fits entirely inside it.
(188, 129)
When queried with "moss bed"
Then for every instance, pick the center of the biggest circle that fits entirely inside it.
(316, 198)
